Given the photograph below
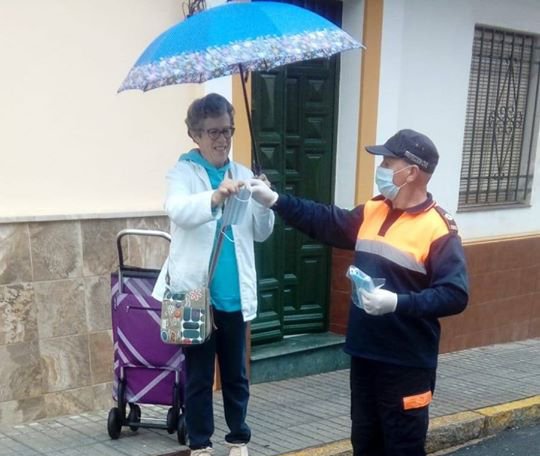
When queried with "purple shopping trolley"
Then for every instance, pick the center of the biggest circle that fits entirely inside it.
(146, 371)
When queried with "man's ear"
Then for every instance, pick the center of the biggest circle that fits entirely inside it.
(414, 172)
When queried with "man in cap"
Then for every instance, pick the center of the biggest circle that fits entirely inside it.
(403, 236)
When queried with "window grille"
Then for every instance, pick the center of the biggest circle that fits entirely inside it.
(501, 126)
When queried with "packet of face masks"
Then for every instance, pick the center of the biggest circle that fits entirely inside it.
(361, 281)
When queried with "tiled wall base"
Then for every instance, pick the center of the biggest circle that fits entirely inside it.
(504, 295)
(504, 300)
(55, 316)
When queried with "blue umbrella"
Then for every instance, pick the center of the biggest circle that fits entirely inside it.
(235, 38)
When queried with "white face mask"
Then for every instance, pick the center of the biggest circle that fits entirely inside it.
(384, 178)
(236, 207)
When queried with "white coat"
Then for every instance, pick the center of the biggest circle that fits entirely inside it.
(193, 229)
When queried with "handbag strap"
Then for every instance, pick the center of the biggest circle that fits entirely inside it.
(219, 243)
(215, 251)
(211, 269)
(215, 254)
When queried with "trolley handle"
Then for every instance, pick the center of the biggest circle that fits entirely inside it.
(136, 232)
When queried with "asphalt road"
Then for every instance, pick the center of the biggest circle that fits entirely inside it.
(523, 441)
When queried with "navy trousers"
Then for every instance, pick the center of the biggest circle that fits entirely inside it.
(389, 408)
(228, 341)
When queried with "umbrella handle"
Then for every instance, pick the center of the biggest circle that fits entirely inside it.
(255, 161)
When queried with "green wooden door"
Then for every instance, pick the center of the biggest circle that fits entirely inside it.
(294, 120)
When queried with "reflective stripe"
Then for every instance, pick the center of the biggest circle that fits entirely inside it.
(391, 253)
(412, 234)
(417, 401)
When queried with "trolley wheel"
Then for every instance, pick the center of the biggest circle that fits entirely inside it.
(114, 423)
(134, 416)
(121, 401)
(181, 431)
(172, 420)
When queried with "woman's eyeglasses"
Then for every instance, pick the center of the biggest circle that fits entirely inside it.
(215, 133)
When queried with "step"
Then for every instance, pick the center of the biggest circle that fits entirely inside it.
(298, 356)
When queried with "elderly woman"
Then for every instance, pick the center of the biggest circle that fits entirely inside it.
(198, 185)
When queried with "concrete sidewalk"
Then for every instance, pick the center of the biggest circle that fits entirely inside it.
(479, 391)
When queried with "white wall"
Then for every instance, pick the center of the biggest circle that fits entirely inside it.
(69, 145)
(426, 54)
(349, 104)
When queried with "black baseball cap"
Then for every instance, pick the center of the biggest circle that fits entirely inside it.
(411, 146)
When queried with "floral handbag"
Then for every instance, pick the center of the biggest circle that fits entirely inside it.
(186, 318)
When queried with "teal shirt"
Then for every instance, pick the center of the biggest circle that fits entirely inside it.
(225, 285)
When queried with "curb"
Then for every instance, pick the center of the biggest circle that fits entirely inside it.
(456, 429)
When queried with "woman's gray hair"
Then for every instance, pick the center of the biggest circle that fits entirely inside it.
(212, 105)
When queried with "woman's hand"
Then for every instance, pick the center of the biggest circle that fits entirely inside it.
(227, 188)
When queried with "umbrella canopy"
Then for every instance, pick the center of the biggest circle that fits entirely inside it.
(232, 38)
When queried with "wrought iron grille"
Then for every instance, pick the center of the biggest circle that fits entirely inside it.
(501, 126)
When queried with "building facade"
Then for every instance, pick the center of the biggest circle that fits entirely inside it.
(80, 163)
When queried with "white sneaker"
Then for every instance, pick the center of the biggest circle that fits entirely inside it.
(238, 449)
(209, 451)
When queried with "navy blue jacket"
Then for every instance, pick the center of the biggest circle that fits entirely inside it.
(419, 254)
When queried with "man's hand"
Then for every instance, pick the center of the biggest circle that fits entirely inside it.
(379, 302)
(263, 178)
(262, 193)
